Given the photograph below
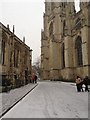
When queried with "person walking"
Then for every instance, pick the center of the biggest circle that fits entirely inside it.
(81, 85)
(33, 78)
(85, 82)
(78, 81)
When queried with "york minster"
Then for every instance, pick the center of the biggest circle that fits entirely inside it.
(65, 41)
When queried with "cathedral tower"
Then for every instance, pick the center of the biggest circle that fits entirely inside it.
(61, 57)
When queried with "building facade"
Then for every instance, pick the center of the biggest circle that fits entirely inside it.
(65, 41)
(15, 57)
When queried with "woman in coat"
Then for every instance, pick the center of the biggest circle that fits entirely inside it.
(78, 84)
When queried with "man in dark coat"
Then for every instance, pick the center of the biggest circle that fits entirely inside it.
(85, 82)
(35, 78)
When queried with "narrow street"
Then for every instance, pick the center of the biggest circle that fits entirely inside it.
(52, 100)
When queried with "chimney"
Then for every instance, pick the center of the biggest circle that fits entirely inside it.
(8, 26)
(24, 39)
(13, 29)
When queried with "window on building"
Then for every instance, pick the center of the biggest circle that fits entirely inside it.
(78, 23)
(3, 52)
(64, 24)
(63, 4)
(78, 46)
(63, 56)
(0, 52)
(51, 29)
(11, 59)
(52, 5)
(25, 58)
(16, 57)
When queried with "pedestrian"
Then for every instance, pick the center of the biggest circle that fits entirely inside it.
(35, 78)
(85, 82)
(81, 85)
(78, 81)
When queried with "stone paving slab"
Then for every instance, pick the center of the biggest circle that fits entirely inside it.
(8, 99)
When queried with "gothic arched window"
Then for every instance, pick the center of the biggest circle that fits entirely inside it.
(78, 47)
(78, 23)
(3, 47)
(3, 51)
(0, 52)
(63, 4)
(63, 56)
(52, 5)
(51, 29)
(64, 24)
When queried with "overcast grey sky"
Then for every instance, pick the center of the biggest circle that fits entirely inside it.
(27, 16)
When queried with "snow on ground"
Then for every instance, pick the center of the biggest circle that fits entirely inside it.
(52, 100)
(9, 98)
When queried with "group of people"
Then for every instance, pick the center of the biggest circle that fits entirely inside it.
(34, 78)
(80, 82)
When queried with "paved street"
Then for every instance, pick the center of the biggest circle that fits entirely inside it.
(7, 99)
(52, 100)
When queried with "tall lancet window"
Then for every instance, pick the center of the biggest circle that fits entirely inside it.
(64, 3)
(63, 56)
(3, 52)
(78, 24)
(64, 24)
(78, 47)
(51, 29)
(0, 52)
(52, 6)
